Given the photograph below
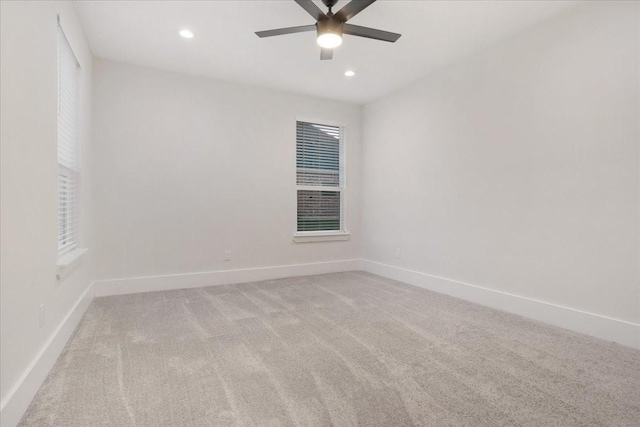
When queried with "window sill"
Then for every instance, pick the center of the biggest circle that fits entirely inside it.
(321, 236)
(69, 261)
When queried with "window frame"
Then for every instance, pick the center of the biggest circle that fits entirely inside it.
(324, 235)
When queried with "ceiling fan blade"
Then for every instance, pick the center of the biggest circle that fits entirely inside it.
(370, 33)
(311, 9)
(352, 9)
(283, 31)
(326, 53)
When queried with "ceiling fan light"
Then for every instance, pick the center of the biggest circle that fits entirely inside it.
(329, 33)
(329, 40)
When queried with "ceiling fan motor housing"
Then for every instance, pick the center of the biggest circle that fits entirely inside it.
(330, 25)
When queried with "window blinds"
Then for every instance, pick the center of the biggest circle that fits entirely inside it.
(67, 144)
(320, 176)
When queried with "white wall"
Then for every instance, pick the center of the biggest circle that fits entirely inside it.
(517, 169)
(188, 167)
(29, 170)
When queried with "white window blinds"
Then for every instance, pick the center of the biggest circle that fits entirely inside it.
(68, 175)
(320, 177)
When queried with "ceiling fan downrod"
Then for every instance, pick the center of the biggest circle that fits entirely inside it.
(329, 4)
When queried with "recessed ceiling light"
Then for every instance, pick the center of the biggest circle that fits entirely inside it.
(186, 34)
(349, 73)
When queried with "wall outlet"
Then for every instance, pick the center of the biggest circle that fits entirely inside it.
(227, 255)
(398, 253)
(41, 316)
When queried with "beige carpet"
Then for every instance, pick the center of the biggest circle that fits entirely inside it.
(342, 349)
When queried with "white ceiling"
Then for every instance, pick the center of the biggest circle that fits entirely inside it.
(225, 46)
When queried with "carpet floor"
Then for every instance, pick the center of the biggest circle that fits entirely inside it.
(340, 349)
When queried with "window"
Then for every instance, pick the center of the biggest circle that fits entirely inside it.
(68, 171)
(320, 178)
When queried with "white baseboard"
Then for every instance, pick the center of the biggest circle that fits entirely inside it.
(135, 285)
(619, 331)
(19, 397)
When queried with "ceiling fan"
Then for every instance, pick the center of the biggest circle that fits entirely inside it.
(330, 27)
